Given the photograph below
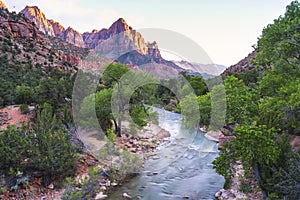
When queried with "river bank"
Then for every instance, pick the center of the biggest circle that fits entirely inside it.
(126, 156)
(241, 187)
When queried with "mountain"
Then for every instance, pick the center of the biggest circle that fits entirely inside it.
(242, 66)
(23, 44)
(209, 69)
(51, 27)
(120, 43)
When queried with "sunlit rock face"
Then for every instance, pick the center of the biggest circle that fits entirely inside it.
(119, 37)
(51, 27)
(2, 5)
(35, 15)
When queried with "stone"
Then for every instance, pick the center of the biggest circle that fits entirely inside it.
(100, 195)
(103, 188)
(114, 184)
(163, 134)
(127, 196)
(51, 186)
(108, 184)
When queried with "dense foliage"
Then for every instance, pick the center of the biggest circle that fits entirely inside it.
(266, 111)
(43, 147)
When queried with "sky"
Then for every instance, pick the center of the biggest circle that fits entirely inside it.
(226, 30)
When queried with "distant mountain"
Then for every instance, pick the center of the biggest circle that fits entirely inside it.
(242, 66)
(210, 69)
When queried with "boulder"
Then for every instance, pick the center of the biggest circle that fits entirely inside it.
(100, 195)
(127, 196)
(163, 134)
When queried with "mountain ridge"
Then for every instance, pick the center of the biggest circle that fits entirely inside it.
(120, 42)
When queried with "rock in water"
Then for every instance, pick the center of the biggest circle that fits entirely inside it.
(127, 196)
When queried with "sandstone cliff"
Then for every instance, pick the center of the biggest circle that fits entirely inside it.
(51, 27)
(2, 5)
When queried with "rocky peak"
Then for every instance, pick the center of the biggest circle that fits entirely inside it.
(2, 5)
(119, 26)
(34, 14)
(51, 27)
(153, 50)
(74, 37)
(57, 27)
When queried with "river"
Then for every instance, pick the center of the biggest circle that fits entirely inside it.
(180, 168)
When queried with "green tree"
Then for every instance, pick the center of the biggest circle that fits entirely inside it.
(204, 102)
(190, 111)
(24, 94)
(111, 76)
(44, 147)
(254, 146)
(99, 104)
(241, 102)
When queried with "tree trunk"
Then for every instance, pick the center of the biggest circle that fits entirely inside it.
(258, 178)
(118, 128)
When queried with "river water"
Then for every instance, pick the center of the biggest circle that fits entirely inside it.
(180, 168)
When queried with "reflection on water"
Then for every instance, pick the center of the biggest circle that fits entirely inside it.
(181, 168)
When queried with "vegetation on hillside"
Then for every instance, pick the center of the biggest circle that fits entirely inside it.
(266, 111)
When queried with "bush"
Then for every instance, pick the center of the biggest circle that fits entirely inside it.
(24, 108)
(44, 147)
(88, 187)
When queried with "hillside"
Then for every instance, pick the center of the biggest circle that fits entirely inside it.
(242, 66)
(23, 44)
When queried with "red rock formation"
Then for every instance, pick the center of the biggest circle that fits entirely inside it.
(51, 27)
(74, 37)
(118, 43)
(71, 59)
(119, 33)
(35, 15)
(58, 29)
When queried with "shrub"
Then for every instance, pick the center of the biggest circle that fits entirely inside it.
(24, 108)
(44, 147)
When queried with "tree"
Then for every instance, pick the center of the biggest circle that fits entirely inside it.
(218, 107)
(44, 147)
(24, 94)
(204, 102)
(54, 155)
(96, 108)
(254, 146)
(111, 76)
(283, 110)
(278, 47)
(241, 103)
(190, 111)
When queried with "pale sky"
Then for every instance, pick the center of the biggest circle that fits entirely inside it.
(226, 30)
